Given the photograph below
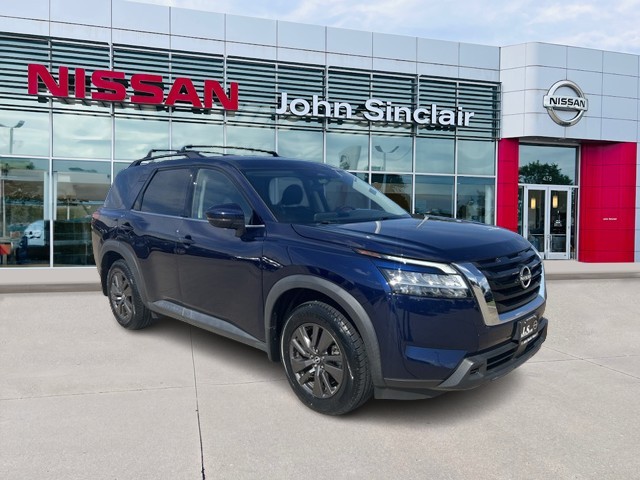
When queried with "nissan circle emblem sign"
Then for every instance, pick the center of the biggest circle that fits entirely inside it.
(565, 102)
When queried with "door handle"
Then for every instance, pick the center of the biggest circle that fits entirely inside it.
(187, 241)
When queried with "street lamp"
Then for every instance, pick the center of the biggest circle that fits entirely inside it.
(4, 171)
(384, 155)
(17, 125)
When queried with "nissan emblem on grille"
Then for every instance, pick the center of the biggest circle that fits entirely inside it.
(525, 277)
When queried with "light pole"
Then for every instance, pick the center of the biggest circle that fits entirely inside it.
(5, 172)
(17, 125)
(384, 155)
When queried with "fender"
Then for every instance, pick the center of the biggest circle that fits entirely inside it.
(130, 258)
(347, 302)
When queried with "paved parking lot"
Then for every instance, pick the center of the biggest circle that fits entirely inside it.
(82, 398)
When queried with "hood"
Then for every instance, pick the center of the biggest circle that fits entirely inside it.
(441, 240)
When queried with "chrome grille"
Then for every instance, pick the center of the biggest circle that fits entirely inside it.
(503, 272)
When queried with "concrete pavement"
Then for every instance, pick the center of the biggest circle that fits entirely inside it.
(80, 398)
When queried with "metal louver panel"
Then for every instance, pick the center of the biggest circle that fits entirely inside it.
(15, 54)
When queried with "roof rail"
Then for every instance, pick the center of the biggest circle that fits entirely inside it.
(189, 151)
(154, 150)
(150, 157)
(196, 147)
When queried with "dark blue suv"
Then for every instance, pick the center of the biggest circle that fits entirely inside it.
(322, 272)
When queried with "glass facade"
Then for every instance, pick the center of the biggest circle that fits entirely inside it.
(59, 156)
(547, 198)
(546, 164)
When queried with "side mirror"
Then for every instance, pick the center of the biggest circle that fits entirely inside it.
(229, 215)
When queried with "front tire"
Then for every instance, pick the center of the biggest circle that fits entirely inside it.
(124, 297)
(325, 359)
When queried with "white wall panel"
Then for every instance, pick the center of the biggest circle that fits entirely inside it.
(595, 106)
(301, 56)
(398, 66)
(589, 82)
(258, 31)
(438, 52)
(79, 11)
(512, 126)
(194, 23)
(620, 86)
(32, 9)
(620, 108)
(514, 56)
(349, 42)
(512, 103)
(251, 51)
(140, 16)
(533, 101)
(200, 45)
(299, 36)
(547, 54)
(584, 59)
(619, 130)
(479, 56)
(27, 27)
(513, 80)
(130, 37)
(479, 74)
(588, 128)
(398, 47)
(80, 32)
(437, 70)
(349, 61)
(541, 125)
(620, 63)
(543, 78)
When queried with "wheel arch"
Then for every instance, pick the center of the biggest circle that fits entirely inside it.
(275, 313)
(112, 251)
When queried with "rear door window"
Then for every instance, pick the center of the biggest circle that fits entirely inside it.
(167, 192)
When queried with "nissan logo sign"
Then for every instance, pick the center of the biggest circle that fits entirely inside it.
(557, 103)
(525, 277)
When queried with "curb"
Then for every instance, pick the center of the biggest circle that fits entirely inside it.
(51, 288)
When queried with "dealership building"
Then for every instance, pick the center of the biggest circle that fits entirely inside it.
(538, 138)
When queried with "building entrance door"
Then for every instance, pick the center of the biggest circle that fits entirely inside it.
(547, 220)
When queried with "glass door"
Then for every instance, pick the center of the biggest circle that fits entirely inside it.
(547, 220)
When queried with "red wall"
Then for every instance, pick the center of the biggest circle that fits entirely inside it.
(607, 202)
(507, 194)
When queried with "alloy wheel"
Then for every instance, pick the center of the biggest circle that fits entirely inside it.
(316, 360)
(121, 296)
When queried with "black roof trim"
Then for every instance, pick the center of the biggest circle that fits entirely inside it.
(191, 151)
(223, 147)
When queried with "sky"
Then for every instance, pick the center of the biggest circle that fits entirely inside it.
(600, 24)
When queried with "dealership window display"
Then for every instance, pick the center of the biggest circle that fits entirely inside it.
(79, 189)
(435, 155)
(24, 184)
(476, 199)
(87, 101)
(434, 195)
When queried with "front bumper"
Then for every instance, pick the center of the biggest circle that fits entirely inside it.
(459, 365)
(472, 372)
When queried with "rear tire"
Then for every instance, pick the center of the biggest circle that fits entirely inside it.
(124, 298)
(325, 359)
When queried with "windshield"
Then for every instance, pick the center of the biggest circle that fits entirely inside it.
(316, 193)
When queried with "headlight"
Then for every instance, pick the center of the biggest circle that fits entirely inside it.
(426, 284)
